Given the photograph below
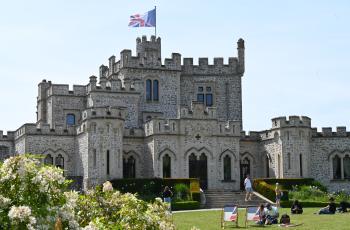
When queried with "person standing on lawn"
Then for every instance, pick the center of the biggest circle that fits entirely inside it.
(167, 194)
(278, 195)
(248, 188)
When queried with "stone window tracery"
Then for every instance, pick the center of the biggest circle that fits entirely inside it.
(205, 95)
(336, 167)
(129, 167)
(346, 166)
(152, 90)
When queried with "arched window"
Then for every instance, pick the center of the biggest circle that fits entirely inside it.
(148, 90)
(48, 159)
(107, 162)
(94, 157)
(70, 119)
(59, 161)
(166, 166)
(288, 160)
(267, 166)
(301, 164)
(227, 168)
(155, 90)
(4, 152)
(336, 167)
(129, 167)
(346, 166)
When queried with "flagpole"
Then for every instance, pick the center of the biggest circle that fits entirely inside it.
(155, 26)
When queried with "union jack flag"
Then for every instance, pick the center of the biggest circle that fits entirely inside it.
(146, 20)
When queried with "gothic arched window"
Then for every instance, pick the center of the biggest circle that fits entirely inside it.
(289, 160)
(107, 163)
(336, 167)
(129, 167)
(59, 161)
(149, 90)
(346, 167)
(48, 159)
(155, 90)
(166, 166)
(70, 119)
(227, 167)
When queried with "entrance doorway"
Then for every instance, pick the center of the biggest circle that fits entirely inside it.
(198, 168)
(245, 170)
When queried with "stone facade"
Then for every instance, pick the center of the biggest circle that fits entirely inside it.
(152, 118)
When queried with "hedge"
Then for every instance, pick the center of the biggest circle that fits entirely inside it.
(304, 204)
(268, 190)
(287, 183)
(149, 187)
(185, 205)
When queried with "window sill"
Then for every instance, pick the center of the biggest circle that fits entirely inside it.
(228, 181)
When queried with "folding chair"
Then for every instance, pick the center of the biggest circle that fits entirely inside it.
(229, 214)
(251, 214)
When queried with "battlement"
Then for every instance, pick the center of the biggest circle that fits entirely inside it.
(43, 129)
(282, 122)
(203, 67)
(9, 137)
(113, 85)
(251, 136)
(132, 132)
(63, 89)
(199, 111)
(328, 132)
(105, 113)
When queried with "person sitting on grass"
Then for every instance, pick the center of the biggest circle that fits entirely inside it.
(261, 213)
(272, 214)
(330, 208)
(296, 208)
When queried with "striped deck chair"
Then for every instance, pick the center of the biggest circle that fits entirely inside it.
(251, 214)
(229, 214)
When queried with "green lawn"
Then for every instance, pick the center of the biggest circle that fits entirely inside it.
(211, 220)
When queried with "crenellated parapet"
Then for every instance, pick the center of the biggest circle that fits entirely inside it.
(204, 68)
(63, 90)
(292, 121)
(199, 111)
(9, 137)
(251, 136)
(43, 129)
(104, 113)
(340, 131)
(113, 85)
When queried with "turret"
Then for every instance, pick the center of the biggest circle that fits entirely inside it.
(149, 51)
(41, 103)
(240, 48)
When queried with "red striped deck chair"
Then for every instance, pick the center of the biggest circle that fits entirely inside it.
(229, 214)
(251, 214)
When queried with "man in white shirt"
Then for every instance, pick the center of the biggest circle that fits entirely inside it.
(248, 188)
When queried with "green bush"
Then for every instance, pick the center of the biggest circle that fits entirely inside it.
(268, 190)
(185, 205)
(181, 192)
(304, 204)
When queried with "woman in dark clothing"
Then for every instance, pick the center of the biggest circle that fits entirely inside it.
(167, 194)
(330, 209)
(296, 208)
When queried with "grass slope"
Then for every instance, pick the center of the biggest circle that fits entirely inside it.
(210, 220)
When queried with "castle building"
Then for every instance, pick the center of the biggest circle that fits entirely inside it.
(152, 118)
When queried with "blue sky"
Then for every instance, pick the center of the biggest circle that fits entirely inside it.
(297, 52)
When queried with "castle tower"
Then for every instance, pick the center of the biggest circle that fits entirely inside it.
(295, 135)
(100, 143)
(149, 51)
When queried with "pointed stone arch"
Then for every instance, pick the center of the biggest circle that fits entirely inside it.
(198, 152)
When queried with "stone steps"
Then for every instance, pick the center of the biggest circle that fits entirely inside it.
(219, 198)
